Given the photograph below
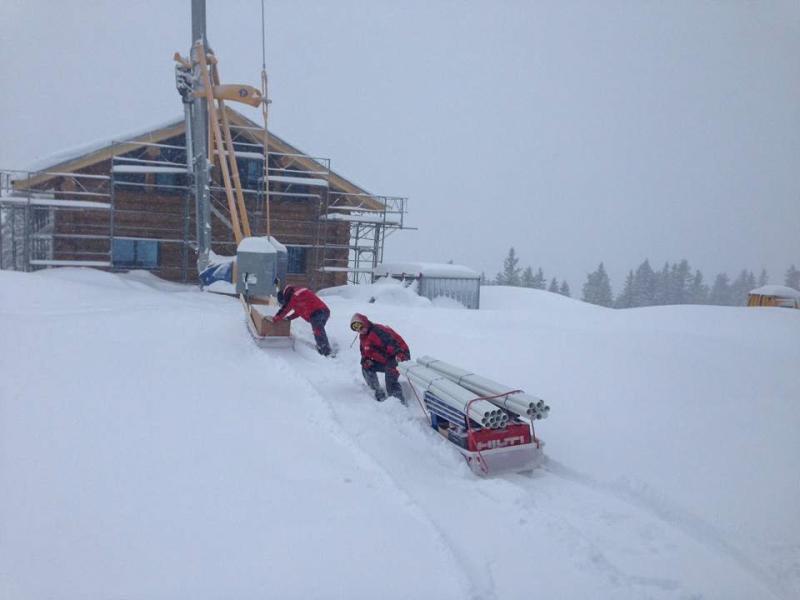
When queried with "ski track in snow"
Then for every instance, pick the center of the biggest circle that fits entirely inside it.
(590, 553)
(585, 550)
(350, 441)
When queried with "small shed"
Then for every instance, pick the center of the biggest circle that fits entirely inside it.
(774, 295)
(435, 280)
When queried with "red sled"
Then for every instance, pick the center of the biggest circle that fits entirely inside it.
(512, 449)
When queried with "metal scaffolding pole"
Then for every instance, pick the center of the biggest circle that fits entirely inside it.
(198, 132)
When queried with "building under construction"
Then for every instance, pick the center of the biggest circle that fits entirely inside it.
(129, 204)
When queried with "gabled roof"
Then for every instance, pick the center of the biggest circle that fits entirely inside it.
(84, 156)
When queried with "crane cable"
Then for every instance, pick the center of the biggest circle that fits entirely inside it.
(264, 111)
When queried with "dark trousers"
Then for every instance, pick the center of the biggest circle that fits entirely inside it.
(318, 320)
(392, 377)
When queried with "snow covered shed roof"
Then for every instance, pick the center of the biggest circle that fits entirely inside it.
(424, 269)
(778, 291)
(85, 155)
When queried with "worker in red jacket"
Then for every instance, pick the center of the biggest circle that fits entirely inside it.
(381, 349)
(302, 302)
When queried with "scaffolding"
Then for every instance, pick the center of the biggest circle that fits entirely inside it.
(77, 218)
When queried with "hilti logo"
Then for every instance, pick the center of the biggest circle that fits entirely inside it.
(509, 441)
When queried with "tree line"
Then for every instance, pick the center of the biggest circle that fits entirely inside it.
(677, 283)
(674, 283)
(514, 275)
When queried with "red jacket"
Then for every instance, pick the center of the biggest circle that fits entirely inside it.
(303, 302)
(382, 344)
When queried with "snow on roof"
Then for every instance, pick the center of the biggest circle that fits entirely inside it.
(425, 269)
(54, 203)
(253, 155)
(298, 180)
(68, 154)
(260, 245)
(146, 169)
(374, 218)
(780, 291)
(71, 263)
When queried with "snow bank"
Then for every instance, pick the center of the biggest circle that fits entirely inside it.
(384, 291)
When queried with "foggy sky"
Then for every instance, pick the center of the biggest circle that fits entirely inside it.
(575, 131)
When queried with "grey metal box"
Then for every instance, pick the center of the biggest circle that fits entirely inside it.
(259, 261)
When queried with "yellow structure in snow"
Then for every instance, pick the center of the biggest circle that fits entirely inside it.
(774, 295)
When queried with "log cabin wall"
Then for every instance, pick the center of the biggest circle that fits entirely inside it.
(146, 213)
(121, 214)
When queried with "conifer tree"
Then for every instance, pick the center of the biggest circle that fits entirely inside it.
(625, 299)
(510, 274)
(745, 282)
(661, 295)
(644, 285)
(553, 286)
(792, 278)
(698, 291)
(564, 289)
(720, 293)
(527, 279)
(539, 281)
(597, 289)
(763, 279)
(679, 278)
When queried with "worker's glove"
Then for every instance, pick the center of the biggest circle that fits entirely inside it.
(367, 364)
(403, 356)
(277, 318)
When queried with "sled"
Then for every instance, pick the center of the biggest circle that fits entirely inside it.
(489, 452)
(513, 459)
(265, 332)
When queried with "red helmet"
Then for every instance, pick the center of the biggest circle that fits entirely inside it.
(360, 323)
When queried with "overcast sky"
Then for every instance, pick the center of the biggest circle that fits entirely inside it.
(575, 131)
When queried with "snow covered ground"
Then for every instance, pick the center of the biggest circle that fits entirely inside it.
(148, 449)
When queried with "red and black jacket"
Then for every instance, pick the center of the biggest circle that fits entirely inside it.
(383, 345)
(302, 301)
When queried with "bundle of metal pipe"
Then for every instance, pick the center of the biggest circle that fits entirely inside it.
(455, 397)
(518, 403)
(441, 409)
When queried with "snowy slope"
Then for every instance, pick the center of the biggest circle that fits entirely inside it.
(149, 449)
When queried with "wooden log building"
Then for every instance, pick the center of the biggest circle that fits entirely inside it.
(128, 204)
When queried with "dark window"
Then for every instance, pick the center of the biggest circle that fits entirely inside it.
(251, 171)
(135, 253)
(168, 182)
(295, 188)
(296, 259)
(130, 181)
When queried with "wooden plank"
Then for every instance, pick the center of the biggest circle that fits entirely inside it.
(231, 155)
(246, 94)
(212, 114)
